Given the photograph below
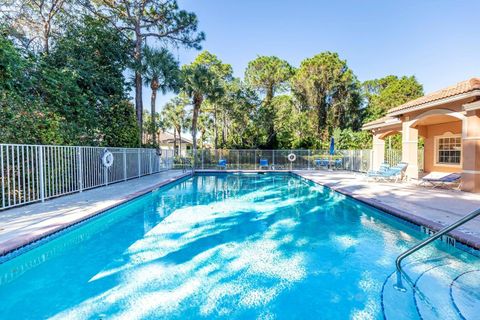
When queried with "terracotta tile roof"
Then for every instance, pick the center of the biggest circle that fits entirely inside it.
(459, 88)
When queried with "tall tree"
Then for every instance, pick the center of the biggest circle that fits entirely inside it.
(161, 20)
(328, 88)
(24, 118)
(200, 82)
(161, 72)
(268, 75)
(388, 92)
(34, 22)
(89, 93)
(216, 104)
(175, 116)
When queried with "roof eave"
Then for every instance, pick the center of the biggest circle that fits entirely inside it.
(430, 104)
(381, 125)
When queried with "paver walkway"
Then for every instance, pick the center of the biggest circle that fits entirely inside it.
(22, 225)
(434, 208)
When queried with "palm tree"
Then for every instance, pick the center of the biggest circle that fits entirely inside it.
(161, 72)
(176, 117)
(199, 83)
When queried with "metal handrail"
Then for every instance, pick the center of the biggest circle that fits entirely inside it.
(398, 261)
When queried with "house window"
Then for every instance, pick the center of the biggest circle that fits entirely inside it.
(449, 150)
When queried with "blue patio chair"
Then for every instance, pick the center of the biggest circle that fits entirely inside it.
(222, 164)
(338, 163)
(441, 180)
(320, 163)
(263, 163)
(396, 173)
(383, 167)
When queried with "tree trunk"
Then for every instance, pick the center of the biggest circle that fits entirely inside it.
(224, 130)
(153, 109)
(46, 36)
(175, 153)
(180, 138)
(215, 144)
(271, 140)
(197, 102)
(138, 81)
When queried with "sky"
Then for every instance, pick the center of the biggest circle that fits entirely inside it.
(437, 41)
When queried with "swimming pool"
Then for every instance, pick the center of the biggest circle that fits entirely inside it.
(268, 246)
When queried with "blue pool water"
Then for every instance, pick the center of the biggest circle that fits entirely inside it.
(238, 246)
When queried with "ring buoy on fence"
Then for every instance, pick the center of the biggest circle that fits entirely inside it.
(292, 157)
(107, 159)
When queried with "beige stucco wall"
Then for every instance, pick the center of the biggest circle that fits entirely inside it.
(438, 130)
(471, 153)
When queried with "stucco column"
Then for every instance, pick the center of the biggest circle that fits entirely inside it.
(378, 151)
(410, 148)
(471, 151)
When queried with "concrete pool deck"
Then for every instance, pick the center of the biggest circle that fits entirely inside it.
(23, 225)
(432, 208)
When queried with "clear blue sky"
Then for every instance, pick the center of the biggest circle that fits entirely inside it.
(438, 41)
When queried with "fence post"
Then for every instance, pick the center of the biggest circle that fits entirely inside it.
(3, 178)
(159, 160)
(42, 181)
(273, 159)
(124, 164)
(139, 162)
(80, 169)
(308, 159)
(238, 159)
(255, 158)
(203, 158)
(150, 161)
(105, 175)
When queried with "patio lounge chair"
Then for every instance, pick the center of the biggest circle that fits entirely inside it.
(222, 164)
(338, 163)
(321, 163)
(383, 167)
(263, 163)
(396, 173)
(441, 180)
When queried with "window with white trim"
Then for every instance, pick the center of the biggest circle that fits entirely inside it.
(449, 150)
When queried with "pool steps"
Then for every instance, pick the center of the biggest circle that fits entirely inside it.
(435, 296)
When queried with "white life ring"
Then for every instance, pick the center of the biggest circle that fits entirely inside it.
(292, 157)
(107, 159)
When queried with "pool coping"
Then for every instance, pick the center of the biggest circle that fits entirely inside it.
(11, 246)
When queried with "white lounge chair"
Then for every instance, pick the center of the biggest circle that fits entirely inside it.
(441, 180)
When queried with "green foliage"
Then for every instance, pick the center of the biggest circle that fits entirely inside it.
(268, 75)
(328, 89)
(161, 72)
(347, 139)
(74, 95)
(388, 92)
(24, 117)
(140, 20)
(203, 79)
(160, 69)
(73, 91)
